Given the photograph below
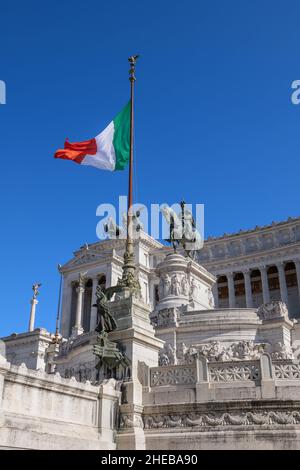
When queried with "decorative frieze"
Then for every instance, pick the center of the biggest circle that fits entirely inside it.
(214, 419)
(255, 240)
(183, 282)
(282, 352)
(216, 351)
(131, 421)
(168, 317)
(271, 310)
(167, 356)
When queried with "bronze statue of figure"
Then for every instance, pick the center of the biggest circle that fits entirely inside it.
(110, 356)
(35, 289)
(183, 230)
(106, 322)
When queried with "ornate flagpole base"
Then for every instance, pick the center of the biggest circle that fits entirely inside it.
(129, 281)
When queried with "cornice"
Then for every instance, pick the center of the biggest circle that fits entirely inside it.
(28, 337)
(42, 380)
(240, 264)
(262, 257)
(290, 222)
(104, 251)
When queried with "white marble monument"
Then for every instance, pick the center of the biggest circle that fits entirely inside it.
(203, 375)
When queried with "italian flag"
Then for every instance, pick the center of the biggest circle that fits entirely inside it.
(109, 150)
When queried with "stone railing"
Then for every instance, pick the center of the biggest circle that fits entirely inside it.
(232, 372)
(173, 375)
(188, 374)
(286, 371)
(200, 371)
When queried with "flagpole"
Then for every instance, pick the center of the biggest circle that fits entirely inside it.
(132, 61)
(56, 337)
(129, 279)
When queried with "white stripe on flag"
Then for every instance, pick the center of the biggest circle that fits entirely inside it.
(105, 158)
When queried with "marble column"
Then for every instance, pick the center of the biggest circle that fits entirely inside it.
(151, 293)
(282, 283)
(33, 302)
(109, 274)
(248, 289)
(231, 292)
(216, 294)
(265, 284)
(93, 322)
(77, 329)
(66, 308)
(297, 265)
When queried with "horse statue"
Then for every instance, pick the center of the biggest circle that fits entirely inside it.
(183, 230)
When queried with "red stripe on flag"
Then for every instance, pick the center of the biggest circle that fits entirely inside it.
(76, 151)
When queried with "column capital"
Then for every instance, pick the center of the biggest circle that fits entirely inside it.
(280, 264)
(80, 290)
(263, 267)
(229, 275)
(34, 301)
(76, 331)
(247, 271)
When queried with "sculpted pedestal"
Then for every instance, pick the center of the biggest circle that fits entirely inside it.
(137, 339)
(184, 287)
(183, 282)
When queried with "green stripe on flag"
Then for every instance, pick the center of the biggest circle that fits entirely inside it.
(121, 139)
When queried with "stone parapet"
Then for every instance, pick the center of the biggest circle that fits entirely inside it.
(29, 348)
(203, 382)
(45, 411)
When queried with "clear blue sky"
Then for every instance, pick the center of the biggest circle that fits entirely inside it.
(214, 122)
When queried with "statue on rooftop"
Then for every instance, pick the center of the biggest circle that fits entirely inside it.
(112, 229)
(35, 289)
